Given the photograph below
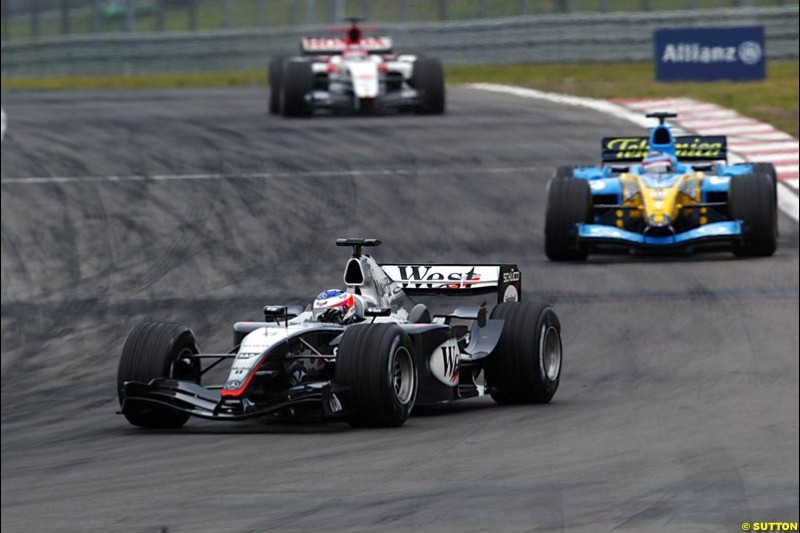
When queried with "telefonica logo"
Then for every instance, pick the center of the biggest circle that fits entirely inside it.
(748, 52)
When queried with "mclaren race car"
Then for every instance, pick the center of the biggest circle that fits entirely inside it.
(662, 193)
(366, 354)
(356, 74)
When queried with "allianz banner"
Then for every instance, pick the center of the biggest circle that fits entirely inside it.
(707, 54)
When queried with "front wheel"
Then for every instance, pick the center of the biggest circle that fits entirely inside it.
(297, 84)
(569, 203)
(525, 367)
(376, 365)
(275, 84)
(157, 350)
(428, 80)
(751, 200)
(565, 172)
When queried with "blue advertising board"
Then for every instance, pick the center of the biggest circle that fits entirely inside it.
(708, 54)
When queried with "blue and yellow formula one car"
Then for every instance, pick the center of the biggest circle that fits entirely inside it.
(661, 193)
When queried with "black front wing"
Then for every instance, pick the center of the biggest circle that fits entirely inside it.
(199, 401)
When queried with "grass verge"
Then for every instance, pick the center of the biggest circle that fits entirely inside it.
(774, 100)
(233, 78)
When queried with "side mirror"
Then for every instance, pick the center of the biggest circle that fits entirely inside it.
(377, 311)
(274, 312)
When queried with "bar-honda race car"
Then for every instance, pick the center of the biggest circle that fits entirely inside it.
(356, 74)
(662, 193)
(367, 354)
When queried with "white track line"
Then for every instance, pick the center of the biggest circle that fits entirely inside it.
(787, 168)
(265, 175)
(746, 147)
(771, 158)
(3, 124)
(787, 198)
(604, 106)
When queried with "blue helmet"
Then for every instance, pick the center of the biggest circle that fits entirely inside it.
(658, 163)
(334, 305)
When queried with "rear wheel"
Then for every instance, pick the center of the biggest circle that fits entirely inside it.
(751, 200)
(428, 80)
(569, 202)
(376, 364)
(564, 172)
(298, 82)
(275, 84)
(157, 350)
(525, 367)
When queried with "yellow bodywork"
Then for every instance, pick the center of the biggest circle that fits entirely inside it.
(662, 203)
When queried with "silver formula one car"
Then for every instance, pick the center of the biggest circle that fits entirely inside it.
(355, 74)
(367, 354)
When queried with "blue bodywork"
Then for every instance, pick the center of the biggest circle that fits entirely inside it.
(607, 191)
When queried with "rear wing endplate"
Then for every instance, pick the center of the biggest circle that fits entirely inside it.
(687, 148)
(337, 45)
(458, 280)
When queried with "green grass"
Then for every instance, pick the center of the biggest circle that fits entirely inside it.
(774, 100)
(233, 78)
(210, 14)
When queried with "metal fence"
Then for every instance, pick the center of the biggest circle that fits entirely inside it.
(533, 38)
(24, 20)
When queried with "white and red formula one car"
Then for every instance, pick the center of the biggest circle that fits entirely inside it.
(354, 74)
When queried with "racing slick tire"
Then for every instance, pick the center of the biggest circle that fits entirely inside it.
(569, 202)
(525, 367)
(275, 84)
(751, 199)
(156, 350)
(298, 81)
(376, 365)
(428, 79)
(769, 169)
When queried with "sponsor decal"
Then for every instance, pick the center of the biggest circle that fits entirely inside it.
(338, 44)
(750, 52)
(718, 180)
(511, 294)
(510, 279)
(688, 147)
(714, 53)
(444, 362)
(696, 53)
(433, 277)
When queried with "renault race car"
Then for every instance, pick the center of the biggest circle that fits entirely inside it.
(355, 74)
(662, 193)
(366, 355)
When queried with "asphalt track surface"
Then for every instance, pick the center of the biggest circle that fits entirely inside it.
(678, 408)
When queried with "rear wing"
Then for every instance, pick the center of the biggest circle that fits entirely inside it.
(336, 45)
(687, 148)
(458, 280)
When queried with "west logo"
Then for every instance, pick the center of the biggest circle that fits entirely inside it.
(430, 278)
(450, 362)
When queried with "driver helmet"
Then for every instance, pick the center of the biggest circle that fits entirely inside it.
(354, 35)
(657, 163)
(334, 306)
